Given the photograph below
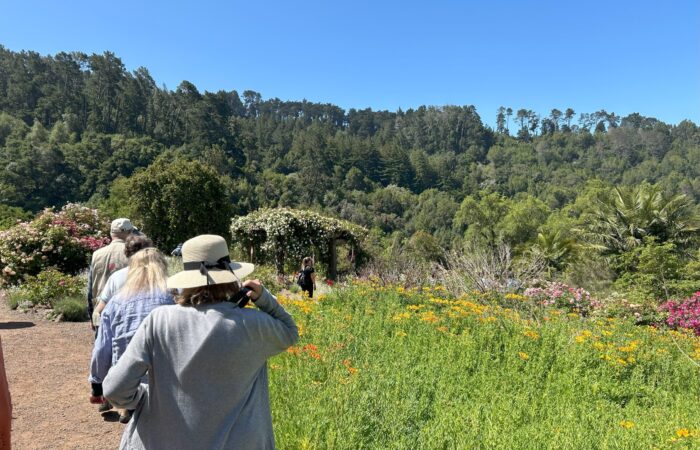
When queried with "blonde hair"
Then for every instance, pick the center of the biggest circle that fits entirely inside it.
(308, 261)
(148, 271)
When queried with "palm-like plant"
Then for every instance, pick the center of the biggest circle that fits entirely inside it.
(623, 220)
(556, 247)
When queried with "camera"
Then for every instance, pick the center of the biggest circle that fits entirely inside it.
(241, 297)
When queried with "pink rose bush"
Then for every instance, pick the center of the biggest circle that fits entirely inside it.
(63, 239)
(684, 313)
(562, 296)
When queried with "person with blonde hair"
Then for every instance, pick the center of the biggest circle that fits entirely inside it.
(143, 291)
(307, 276)
(206, 359)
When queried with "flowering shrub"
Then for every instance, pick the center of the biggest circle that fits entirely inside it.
(287, 233)
(684, 313)
(629, 307)
(562, 296)
(63, 239)
(46, 288)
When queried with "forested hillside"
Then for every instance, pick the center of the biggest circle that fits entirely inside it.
(72, 124)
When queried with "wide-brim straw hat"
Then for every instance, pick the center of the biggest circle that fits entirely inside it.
(206, 261)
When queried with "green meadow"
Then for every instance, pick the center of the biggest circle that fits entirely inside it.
(388, 368)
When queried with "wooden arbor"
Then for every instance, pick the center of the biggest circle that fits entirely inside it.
(278, 234)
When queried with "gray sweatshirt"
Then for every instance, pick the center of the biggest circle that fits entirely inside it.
(207, 376)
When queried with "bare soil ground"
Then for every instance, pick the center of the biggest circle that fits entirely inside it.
(47, 367)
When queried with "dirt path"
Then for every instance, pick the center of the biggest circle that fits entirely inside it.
(47, 366)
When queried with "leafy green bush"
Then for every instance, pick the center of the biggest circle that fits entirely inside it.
(63, 239)
(10, 215)
(46, 289)
(72, 309)
(177, 200)
(268, 276)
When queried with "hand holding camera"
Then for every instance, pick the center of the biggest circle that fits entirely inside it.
(251, 290)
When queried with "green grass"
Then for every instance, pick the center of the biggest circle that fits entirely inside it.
(388, 369)
(73, 309)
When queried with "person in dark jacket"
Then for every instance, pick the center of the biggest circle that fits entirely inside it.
(307, 276)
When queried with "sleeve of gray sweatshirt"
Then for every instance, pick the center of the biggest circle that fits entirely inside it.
(282, 331)
(122, 386)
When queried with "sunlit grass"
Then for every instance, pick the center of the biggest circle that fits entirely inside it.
(387, 368)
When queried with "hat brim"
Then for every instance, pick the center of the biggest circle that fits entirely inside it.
(193, 278)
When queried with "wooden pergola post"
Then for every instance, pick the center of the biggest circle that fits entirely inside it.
(279, 261)
(333, 263)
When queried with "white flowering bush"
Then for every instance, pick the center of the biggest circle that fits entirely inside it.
(63, 239)
(277, 234)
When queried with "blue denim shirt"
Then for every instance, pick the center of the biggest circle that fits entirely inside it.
(120, 320)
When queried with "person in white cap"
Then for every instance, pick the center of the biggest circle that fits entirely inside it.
(105, 261)
(206, 359)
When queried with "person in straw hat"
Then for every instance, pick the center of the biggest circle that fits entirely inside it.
(206, 359)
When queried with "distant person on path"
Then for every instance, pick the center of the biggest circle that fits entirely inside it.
(143, 291)
(307, 276)
(177, 251)
(105, 261)
(5, 406)
(206, 359)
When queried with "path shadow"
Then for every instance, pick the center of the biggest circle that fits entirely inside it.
(110, 416)
(15, 325)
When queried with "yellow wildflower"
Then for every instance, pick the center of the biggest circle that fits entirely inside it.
(531, 334)
(429, 316)
(524, 356)
(401, 316)
(627, 424)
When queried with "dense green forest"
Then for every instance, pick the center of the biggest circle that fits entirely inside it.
(76, 127)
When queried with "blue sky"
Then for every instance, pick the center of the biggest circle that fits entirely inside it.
(622, 56)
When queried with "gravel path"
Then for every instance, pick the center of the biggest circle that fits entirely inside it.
(47, 366)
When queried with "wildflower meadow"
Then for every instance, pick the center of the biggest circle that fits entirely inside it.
(386, 367)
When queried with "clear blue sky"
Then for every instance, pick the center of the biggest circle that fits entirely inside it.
(622, 56)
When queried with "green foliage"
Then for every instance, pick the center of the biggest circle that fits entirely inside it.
(10, 215)
(87, 125)
(177, 200)
(654, 272)
(622, 220)
(387, 368)
(269, 277)
(71, 309)
(481, 217)
(64, 239)
(47, 288)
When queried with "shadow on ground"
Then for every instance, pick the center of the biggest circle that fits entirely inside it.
(15, 325)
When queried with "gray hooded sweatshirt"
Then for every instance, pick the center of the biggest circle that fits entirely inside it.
(207, 376)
